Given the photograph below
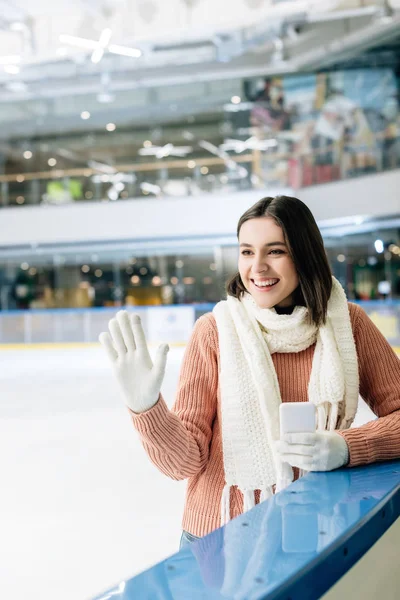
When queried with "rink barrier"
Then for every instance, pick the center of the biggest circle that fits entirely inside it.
(172, 324)
(294, 546)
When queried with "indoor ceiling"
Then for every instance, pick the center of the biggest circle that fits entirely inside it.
(191, 58)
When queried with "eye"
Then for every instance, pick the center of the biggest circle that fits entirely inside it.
(277, 252)
(245, 252)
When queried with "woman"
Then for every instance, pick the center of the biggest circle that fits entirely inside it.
(285, 333)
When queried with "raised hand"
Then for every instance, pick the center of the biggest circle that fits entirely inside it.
(139, 379)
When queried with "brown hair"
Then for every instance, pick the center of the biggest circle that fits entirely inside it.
(305, 245)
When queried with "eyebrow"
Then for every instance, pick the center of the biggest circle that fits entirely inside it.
(244, 245)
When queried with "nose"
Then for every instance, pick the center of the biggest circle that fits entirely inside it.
(260, 265)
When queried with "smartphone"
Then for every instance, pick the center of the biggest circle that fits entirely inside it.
(297, 417)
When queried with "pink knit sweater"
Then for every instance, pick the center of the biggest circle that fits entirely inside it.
(185, 442)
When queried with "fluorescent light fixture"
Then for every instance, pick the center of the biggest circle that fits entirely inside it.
(79, 42)
(124, 51)
(97, 55)
(105, 37)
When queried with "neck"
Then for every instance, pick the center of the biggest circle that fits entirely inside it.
(284, 310)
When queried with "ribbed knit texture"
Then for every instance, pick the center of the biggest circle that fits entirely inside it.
(185, 442)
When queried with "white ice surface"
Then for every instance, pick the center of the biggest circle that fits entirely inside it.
(81, 506)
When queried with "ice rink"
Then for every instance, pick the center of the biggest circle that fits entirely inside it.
(81, 506)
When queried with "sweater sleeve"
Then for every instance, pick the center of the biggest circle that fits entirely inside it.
(379, 371)
(177, 440)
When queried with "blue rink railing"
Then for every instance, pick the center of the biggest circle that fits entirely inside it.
(294, 546)
(172, 323)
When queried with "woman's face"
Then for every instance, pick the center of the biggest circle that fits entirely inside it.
(265, 265)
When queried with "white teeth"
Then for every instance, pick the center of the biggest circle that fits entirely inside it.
(266, 283)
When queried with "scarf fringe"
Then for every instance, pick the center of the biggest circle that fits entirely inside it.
(266, 493)
(225, 505)
(249, 500)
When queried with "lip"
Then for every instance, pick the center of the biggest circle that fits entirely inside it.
(265, 289)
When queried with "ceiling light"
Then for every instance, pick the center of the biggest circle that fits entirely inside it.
(150, 188)
(112, 194)
(20, 200)
(341, 258)
(85, 268)
(379, 246)
(156, 280)
(135, 279)
(147, 144)
(174, 280)
(24, 266)
(12, 69)
(191, 164)
(179, 264)
(143, 271)
(236, 99)
(27, 154)
(98, 272)
(103, 42)
(85, 115)
(123, 51)
(213, 267)
(204, 170)
(111, 127)
(52, 162)
(20, 178)
(78, 41)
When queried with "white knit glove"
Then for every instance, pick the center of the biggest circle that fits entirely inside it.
(139, 380)
(320, 451)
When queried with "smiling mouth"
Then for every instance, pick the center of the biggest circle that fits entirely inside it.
(265, 285)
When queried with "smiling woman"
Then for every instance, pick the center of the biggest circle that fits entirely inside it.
(285, 333)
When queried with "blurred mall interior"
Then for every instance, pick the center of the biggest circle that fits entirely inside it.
(108, 108)
(133, 135)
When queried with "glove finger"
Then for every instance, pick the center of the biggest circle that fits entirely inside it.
(299, 461)
(306, 439)
(138, 333)
(126, 329)
(117, 338)
(301, 449)
(160, 360)
(106, 342)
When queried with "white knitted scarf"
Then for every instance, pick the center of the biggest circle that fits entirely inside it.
(250, 394)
